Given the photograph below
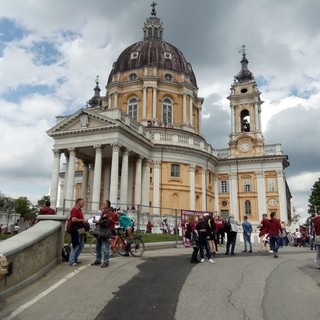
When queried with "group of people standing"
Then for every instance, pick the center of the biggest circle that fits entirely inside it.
(207, 234)
(104, 229)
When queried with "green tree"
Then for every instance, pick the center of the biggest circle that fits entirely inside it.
(42, 201)
(24, 208)
(314, 198)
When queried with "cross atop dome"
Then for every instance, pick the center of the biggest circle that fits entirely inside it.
(153, 11)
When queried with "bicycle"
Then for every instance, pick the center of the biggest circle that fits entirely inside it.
(117, 245)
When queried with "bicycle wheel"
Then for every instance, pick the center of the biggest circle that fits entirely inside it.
(137, 246)
(92, 246)
(121, 246)
(113, 250)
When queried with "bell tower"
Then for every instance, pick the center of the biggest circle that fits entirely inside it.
(246, 137)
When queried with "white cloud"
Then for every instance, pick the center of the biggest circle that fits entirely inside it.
(88, 36)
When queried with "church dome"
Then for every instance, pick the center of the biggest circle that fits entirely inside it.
(153, 51)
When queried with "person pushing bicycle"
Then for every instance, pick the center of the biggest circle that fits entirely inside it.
(126, 223)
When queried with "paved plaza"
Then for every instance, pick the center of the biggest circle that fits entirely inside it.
(163, 284)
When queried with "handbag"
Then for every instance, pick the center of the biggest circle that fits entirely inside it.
(81, 232)
(317, 240)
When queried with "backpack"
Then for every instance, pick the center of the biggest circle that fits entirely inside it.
(66, 252)
(69, 225)
(188, 232)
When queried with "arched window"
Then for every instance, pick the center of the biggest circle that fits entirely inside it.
(133, 108)
(248, 207)
(167, 111)
(168, 77)
(132, 76)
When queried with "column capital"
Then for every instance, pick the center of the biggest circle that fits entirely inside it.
(280, 173)
(56, 153)
(98, 147)
(147, 162)
(233, 176)
(157, 164)
(116, 147)
(192, 167)
(125, 150)
(260, 174)
(72, 151)
(203, 171)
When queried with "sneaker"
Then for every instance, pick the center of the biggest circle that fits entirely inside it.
(275, 255)
(227, 253)
(232, 253)
(244, 250)
(270, 251)
(95, 263)
(250, 251)
(105, 265)
(72, 264)
(202, 260)
(211, 261)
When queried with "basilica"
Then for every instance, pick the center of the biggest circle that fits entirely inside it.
(139, 142)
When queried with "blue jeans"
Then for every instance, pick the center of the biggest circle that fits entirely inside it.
(102, 245)
(75, 251)
(318, 256)
(246, 239)
(275, 242)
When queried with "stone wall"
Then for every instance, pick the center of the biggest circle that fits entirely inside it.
(32, 253)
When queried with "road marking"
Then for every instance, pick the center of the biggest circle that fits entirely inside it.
(46, 292)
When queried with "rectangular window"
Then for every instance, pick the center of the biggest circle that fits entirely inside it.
(271, 184)
(246, 185)
(175, 170)
(223, 186)
(133, 111)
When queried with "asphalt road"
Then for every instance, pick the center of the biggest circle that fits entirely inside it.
(163, 284)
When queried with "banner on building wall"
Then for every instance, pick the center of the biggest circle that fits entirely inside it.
(185, 219)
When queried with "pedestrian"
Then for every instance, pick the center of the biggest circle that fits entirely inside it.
(247, 230)
(149, 227)
(104, 225)
(316, 222)
(312, 232)
(263, 227)
(274, 229)
(204, 235)
(127, 224)
(164, 226)
(194, 238)
(298, 237)
(77, 236)
(46, 209)
(212, 237)
(219, 221)
(231, 228)
(283, 235)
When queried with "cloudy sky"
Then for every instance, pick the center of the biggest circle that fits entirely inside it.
(51, 52)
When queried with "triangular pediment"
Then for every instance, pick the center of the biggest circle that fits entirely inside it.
(81, 121)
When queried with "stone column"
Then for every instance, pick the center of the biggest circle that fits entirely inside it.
(85, 180)
(156, 186)
(109, 102)
(70, 181)
(262, 201)
(106, 185)
(191, 111)
(216, 194)
(97, 179)
(154, 103)
(256, 114)
(144, 103)
(138, 179)
(124, 179)
(64, 190)
(192, 186)
(146, 185)
(233, 127)
(282, 196)
(233, 193)
(184, 108)
(115, 106)
(204, 190)
(114, 175)
(200, 121)
(55, 178)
